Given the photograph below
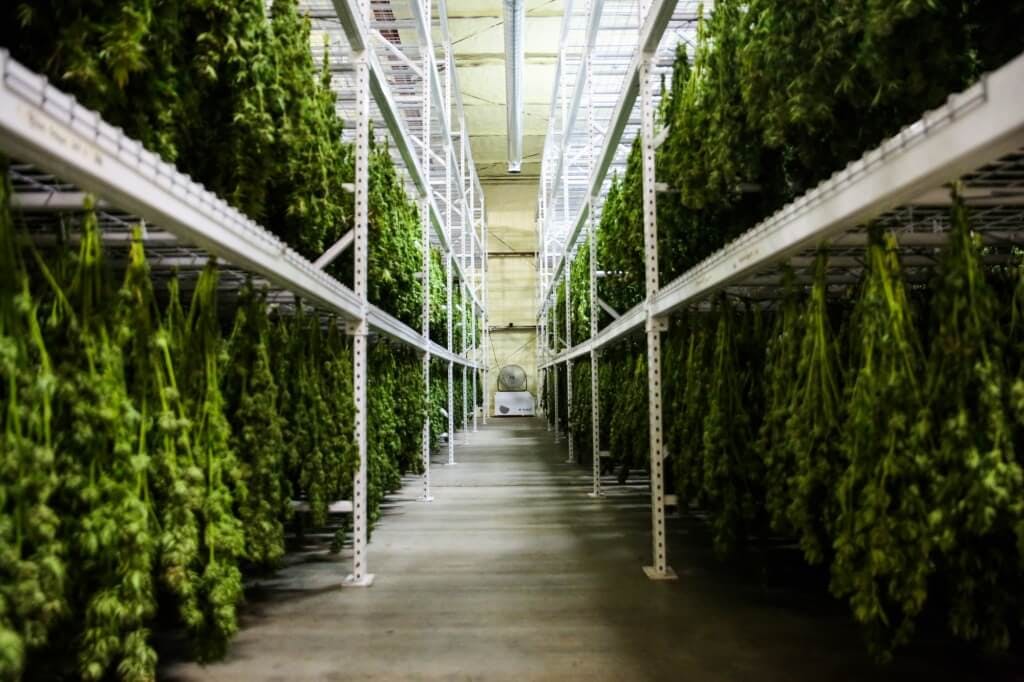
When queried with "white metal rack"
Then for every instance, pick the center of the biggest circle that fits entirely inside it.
(977, 136)
(418, 106)
(49, 133)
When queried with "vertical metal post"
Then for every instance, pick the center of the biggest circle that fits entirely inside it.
(447, 122)
(543, 351)
(486, 360)
(545, 380)
(566, 268)
(592, 223)
(565, 146)
(465, 354)
(475, 355)
(565, 220)
(450, 261)
(595, 400)
(360, 577)
(542, 259)
(466, 239)
(477, 289)
(554, 383)
(425, 280)
(660, 569)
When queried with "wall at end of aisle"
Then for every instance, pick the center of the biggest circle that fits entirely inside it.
(512, 277)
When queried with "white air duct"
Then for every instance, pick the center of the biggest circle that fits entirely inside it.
(515, 63)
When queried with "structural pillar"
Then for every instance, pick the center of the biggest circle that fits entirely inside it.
(360, 576)
(660, 569)
(425, 279)
(566, 272)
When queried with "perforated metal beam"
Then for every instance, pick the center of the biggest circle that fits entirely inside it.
(652, 30)
(973, 128)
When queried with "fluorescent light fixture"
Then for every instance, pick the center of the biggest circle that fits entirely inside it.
(515, 64)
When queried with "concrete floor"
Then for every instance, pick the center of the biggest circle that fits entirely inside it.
(513, 573)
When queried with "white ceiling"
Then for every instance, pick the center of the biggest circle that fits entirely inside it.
(477, 35)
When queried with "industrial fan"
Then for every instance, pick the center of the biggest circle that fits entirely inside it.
(512, 398)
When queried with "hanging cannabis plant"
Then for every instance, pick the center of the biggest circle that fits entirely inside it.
(812, 430)
(978, 504)
(883, 537)
(782, 355)
(202, 357)
(33, 572)
(256, 430)
(731, 468)
(176, 485)
(104, 464)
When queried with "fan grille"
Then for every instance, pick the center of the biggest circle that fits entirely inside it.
(512, 378)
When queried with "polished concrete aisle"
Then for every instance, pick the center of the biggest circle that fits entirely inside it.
(513, 573)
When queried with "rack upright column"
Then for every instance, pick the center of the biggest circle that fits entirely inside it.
(660, 570)
(360, 577)
(425, 280)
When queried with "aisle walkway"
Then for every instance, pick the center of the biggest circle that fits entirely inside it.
(513, 573)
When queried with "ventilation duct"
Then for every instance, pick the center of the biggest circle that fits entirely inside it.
(515, 63)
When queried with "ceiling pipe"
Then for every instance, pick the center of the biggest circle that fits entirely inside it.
(515, 64)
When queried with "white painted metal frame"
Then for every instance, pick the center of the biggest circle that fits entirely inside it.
(360, 576)
(976, 127)
(595, 399)
(356, 33)
(655, 20)
(973, 130)
(660, 569)
(43, 126)
(454, 171)
(425, 245)
(571, 459)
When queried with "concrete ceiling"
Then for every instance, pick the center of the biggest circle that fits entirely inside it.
(477, 35)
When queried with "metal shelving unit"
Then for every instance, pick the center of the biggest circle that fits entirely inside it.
(613, 55)
(63, 151)
(415, 98)
(977, 136)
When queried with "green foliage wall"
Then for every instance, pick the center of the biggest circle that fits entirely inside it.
(753, 127)
(879, 430)
(181, 442)
(230, 94)
(852, 424)
(579, 288)
(580, 414)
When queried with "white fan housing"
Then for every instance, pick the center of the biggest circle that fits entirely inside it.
(512, 398)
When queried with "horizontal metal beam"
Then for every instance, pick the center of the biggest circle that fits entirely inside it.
(331, 254)
(973, 128)
(356, 33)
(52, 202)
(395, 329)
(654, 26)
(41, 125)
(593, 26)
(630, 322)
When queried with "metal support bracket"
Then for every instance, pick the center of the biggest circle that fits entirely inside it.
(656, 324)
(615, 314)
(331, 254)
